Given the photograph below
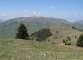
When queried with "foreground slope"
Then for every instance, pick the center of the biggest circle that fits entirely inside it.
(33, 50)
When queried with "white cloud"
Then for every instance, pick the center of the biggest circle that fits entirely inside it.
(25, 11)
(52, 7)
(34, 13)
(76, 14)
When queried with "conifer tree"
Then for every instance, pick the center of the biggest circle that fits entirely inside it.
(22, 32)
(80, 41)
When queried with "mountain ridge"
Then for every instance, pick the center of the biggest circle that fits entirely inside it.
(8, 28)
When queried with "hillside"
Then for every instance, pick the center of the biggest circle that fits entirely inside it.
(59, 33)
(33, 50)
(8, 28)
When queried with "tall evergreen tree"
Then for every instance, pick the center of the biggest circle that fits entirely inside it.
(80, 41)
(22, 32)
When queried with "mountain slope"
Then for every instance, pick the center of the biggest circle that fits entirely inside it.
(8, 28)
(58, 34)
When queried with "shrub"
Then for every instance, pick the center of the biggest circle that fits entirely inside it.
(68, 38)
(75, 36)
(56, 31)
(64, 41)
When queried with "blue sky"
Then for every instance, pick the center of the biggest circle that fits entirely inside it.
(70, 10)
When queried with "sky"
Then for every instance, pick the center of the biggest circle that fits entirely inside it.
(70, 10)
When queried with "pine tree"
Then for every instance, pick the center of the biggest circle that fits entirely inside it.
(80, 41)
(22, 32)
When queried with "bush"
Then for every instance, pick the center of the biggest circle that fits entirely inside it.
(73, 27)
(68, 38)
(56, 31)
(75, 36)
(64, 41)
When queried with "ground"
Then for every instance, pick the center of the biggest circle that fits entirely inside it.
(14, 49)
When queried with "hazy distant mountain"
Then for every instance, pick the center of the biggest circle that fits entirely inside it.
(79, 21)
(1, 20)
(8, 28)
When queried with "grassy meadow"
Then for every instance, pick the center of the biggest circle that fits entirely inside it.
(13, 49)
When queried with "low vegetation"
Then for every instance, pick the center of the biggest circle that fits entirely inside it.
(77, 29)
(67, 41)
(33, 50)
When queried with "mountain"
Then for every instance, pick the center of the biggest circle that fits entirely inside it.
(8, 28)
(79, 21)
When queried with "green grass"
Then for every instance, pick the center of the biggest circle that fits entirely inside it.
(63, 33)
(32, 50)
